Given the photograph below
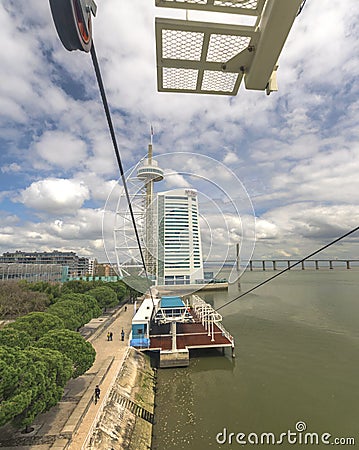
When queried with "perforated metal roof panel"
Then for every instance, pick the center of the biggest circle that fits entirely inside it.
(247, 7)
(212, 58)
(194, 56)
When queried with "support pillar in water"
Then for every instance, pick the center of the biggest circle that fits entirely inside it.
(174, 336)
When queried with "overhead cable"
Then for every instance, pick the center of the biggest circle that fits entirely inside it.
(301, 7)
(289, 267)
(118, 155)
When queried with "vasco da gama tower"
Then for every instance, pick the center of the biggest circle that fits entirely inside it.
(173, 252)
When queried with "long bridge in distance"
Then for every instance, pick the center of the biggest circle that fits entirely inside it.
(280, 264)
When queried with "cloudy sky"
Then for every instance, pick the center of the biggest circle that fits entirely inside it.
(295, 152)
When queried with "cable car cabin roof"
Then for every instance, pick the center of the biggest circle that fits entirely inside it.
(212, 57)
(144, 312)
(172, 302)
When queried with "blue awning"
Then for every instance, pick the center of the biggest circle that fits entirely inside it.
(172, 302)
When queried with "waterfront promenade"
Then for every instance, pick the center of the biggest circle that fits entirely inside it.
(67, 425)
(109, 359)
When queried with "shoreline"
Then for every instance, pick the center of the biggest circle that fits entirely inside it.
(125, 420)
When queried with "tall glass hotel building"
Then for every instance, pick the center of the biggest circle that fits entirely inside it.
(179, 253)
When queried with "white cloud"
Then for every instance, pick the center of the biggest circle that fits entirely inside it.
(230, 158)
(8, 219)
(266, 229)
(85, 225)
(55, 195)
(298, 229)
(98, 187)
(61, 149)
(296, 151)
(80, 232)
(12, 111)
(175, 180)
(9, 168)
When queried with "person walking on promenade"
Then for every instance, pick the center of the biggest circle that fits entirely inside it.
(122, 335)
(97, 393)
(110, 335)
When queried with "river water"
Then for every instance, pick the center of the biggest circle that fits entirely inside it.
(297, 360)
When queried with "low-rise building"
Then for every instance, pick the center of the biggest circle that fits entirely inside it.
(33, 272)
(77, 266)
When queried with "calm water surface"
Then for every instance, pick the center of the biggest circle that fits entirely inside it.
(297, 359)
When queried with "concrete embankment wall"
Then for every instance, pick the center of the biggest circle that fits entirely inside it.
(127, 416)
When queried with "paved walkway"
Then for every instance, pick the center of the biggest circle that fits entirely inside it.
(109, 358)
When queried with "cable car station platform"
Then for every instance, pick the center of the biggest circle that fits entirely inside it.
(173, 326)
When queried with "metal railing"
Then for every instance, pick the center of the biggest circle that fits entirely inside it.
(209, 316)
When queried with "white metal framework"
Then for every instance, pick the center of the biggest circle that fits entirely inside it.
(140, 186)
(206, 314)
(213, 58)
(247, 7)
(209, 317)
(126, 248)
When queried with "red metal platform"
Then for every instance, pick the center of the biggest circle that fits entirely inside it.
(189, 335)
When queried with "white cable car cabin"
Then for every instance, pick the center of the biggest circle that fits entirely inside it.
(140, 330)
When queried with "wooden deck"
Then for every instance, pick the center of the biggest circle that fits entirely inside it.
(189, 335)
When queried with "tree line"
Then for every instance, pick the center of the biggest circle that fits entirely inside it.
(41, 350)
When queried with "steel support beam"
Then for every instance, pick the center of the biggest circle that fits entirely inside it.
(276, 21)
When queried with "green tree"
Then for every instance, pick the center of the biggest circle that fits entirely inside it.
(36, 324)
(76, 286)
(105, 296)
(72, 345)
(91, 303)
(14, 393)
(73, 313)
(56, 371)
(14, 338)
(120, 288)
(32, 381)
